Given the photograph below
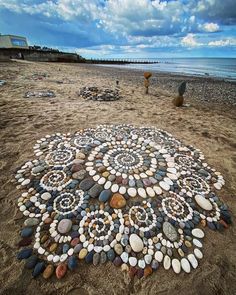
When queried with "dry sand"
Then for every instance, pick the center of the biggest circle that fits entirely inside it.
(210, 127)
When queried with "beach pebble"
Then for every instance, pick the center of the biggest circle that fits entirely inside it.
(31, 222)
(133, 261)
(117, 201)
(167, 262)
(46, 196)
(203, 203)
(61, 270)
(26, 232)
(136, 243)
(72, 262)
(192, 259)
(159, 256)
(64, 226)
(48, 272)
(105, 195)
(24, 253)
(38, 269)
(198, 233)
(31, 262)
(185, 265)
(169, 231)
(198, 253)
(176, 265)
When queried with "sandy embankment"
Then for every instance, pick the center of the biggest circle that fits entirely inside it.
(208, 126)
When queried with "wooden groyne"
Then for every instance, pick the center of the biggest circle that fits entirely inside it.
(120, 61)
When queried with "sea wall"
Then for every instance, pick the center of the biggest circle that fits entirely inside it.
(38, 55)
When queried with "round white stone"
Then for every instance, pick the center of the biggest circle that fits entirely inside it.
(133, 261)
(197, 243)
(159, 256)
(132, 192)
(157, 190)
(46, 196)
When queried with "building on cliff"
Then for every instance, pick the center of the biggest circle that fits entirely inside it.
(12, 41)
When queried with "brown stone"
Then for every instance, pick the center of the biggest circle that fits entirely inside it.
(117, 201)
(178, 101)
(224, 223)
(53, 247)
(147, 75)
(147, 271)
(132, 272)
(48, 272)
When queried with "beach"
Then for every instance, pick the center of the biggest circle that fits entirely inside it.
(207, 121)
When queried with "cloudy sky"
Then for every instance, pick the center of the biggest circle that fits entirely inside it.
(125, 28)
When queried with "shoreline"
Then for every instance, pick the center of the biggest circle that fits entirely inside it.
(218, 78)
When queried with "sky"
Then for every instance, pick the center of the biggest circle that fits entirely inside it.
(125, 28)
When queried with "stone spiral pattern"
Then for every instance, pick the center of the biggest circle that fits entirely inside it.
(137, 197)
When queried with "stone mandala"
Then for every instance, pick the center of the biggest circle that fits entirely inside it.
(136, 197)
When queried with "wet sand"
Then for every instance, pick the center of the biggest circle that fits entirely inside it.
(207, 125)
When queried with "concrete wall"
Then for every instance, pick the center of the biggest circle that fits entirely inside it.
(36, 55)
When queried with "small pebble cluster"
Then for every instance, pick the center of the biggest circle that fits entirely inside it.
(94, 93)
(39, 94)
(136, 197)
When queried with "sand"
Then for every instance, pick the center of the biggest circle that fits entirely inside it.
(208, 126)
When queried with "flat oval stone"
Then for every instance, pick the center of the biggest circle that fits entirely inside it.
(64, 226)
(136, 243)
(72, 262)
(197, 243)
(24, 253)
(46, 196)
(198, 253)
(31, 262)
(198, 233)
(105, 195)
(48, 272)
(95, 190)
(203, 203)
(176, 265)
(159, 256)
(31, 221)
(133, 261)
(83, 253)
(61, 270)
(167, 262)
(192, 259)
(132, 192)
(164, 185)
(86, 184)
(26, 232)
(142, 192)
(185, 265)
(170, 231)
(38, 269)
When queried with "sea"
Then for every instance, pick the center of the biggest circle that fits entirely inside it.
(224, 68)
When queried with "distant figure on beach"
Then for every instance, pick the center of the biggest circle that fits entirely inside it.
(179, 100)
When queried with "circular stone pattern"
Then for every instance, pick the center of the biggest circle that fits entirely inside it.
(137, 197)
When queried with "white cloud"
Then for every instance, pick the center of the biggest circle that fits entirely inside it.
(210, 27)
(190, 41)
(222, 43)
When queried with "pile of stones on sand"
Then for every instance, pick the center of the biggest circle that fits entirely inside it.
(95, 93)
(39, 94)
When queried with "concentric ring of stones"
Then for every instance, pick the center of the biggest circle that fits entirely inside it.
(134, 196)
